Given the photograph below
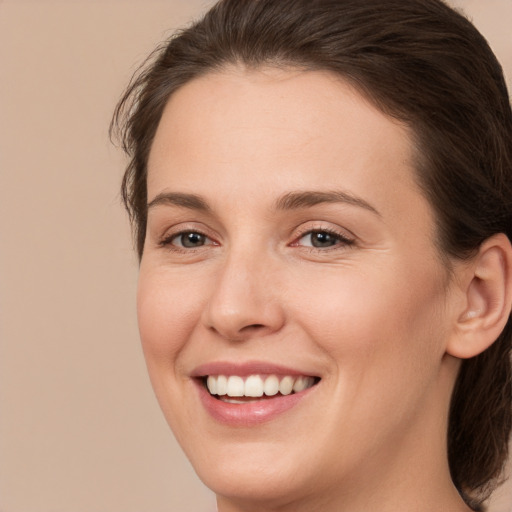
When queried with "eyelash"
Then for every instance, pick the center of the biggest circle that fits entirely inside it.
(167, 241)
(342, 240)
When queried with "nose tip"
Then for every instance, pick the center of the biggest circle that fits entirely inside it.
(245, 321)
(244, 304)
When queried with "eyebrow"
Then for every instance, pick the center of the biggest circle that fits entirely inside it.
(190, 201)
(306, 199)
(289, 201)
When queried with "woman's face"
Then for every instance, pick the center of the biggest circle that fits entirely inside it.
(288, 245)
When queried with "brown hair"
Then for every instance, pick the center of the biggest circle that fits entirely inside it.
(418, 61)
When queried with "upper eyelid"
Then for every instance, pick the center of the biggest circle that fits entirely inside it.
(185, 227)
(306, 228)
(344, 233)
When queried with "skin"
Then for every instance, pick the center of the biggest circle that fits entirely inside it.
(372, 317)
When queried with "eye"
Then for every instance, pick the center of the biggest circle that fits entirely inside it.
(187, 240)
(323, 239)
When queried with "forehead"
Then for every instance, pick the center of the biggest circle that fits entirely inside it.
(288, 128)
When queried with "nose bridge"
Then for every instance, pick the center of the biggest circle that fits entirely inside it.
(244, 301)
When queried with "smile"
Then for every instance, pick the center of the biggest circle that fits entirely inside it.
(251, 393)
(256, 386)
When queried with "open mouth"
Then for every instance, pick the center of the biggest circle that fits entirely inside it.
(238, 390)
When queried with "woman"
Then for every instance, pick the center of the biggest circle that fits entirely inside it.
(320, 194)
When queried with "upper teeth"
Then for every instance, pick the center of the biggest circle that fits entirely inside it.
(256, 385)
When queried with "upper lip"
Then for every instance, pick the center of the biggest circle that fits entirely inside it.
(247, 368)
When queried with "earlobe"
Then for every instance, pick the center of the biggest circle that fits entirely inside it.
(488, 299)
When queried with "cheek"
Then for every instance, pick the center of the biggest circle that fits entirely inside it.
(378, 321)
(384, 338)
(167, 312)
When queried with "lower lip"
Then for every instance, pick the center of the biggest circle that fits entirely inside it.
(250, 413)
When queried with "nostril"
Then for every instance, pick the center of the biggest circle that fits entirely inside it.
(252, 327)
(241, 333)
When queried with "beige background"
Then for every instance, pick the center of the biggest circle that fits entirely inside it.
(80, 430)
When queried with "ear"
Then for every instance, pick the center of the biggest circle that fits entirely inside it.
(487, 288)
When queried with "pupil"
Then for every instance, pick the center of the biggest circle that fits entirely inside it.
(192, 240)
(323, 239)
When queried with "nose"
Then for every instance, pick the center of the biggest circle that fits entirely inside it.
(245, 301)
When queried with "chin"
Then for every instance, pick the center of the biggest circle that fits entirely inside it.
(256, 474)
(264, 486)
